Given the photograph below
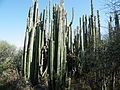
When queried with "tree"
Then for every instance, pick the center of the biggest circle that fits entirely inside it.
(113, 6)
(7, 52)
(18, 60)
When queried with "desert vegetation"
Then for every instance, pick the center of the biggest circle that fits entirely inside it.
(55, 58)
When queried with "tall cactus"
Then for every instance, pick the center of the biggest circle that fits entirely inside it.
(57, 41)
(116, 21)
(28, 30)
(58, 44)
(51, 62)
(98, 19)
(110, 28)
(34, 45)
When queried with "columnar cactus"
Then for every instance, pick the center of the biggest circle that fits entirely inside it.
(31, 39)
(58, 44)
(57, 48)
(116, 21)
(34, 44)
(110, 28)
(98, 19)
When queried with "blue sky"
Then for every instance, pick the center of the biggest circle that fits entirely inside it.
(13, 16)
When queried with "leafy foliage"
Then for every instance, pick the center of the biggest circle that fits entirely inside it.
(10, 60)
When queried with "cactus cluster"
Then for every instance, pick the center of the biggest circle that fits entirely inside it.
(41, 51)
(113, 30)
(53, 51)
(57, 48)
(87, 38)
(34, 44)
